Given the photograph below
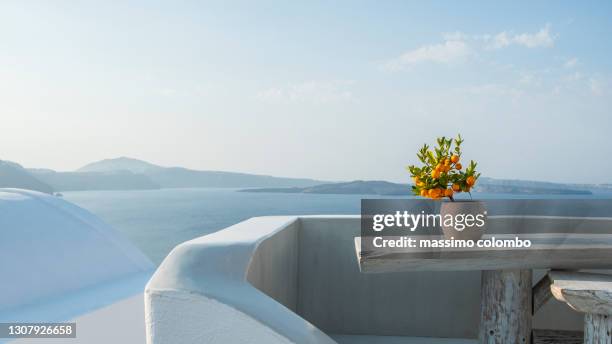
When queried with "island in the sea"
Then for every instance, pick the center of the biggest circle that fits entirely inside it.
(384, 188)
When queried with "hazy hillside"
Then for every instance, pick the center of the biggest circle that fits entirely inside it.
(73, 181)
(522, 183)
(12, 175)
(132, 174)
(120, 164)
(178, 177)
(361, 187)
(538, 185)
(529, 190)
(383, 188)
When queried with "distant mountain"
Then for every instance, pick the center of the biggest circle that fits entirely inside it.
(528, 190)
(545, 187)
(360, 187)
(120, 164)
(133, 174)
(13, 175)
(522, 183)
(383, 188)
(179, 177)
(115, 180)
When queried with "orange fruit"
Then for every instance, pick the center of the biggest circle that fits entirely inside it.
(470, 180)
(448, 192)
(424, 193)
(456, 187)
(432, 192)
(435, 174)
(455, 158)
(458, 166)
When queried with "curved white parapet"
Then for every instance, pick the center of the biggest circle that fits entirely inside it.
(202, 292)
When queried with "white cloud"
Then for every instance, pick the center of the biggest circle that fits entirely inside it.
(542, 38)
(571, 63)
(315, 92)
(447, 52)
(458, 45)
(500, 40)
(578, 82)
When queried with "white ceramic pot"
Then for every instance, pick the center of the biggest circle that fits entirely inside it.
(468, 219)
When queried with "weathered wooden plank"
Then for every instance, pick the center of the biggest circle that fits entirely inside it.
(557, 337)
(553, 250)
(505, 314)
(541, 293)
(597, 328)
(584, 292)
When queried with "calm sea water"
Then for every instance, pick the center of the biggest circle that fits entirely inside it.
(158, 220)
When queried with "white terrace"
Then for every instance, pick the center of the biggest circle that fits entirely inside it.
(297, 280)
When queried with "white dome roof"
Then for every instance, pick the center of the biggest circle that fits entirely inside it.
(50, 248)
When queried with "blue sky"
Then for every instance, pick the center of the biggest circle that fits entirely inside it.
(336, 91)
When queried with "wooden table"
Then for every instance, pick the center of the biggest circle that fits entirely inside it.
(506, 287)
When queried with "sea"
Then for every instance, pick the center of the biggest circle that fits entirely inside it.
(158, 220)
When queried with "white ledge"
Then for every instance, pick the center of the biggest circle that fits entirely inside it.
(200, 293)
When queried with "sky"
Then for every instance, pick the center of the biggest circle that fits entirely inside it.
(337, 90)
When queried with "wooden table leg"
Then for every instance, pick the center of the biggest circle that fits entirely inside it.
(505, 310)
(597, 329)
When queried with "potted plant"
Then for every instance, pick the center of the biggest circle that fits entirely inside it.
(442, 177)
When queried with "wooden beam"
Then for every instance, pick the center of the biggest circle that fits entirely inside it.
(541, 293)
